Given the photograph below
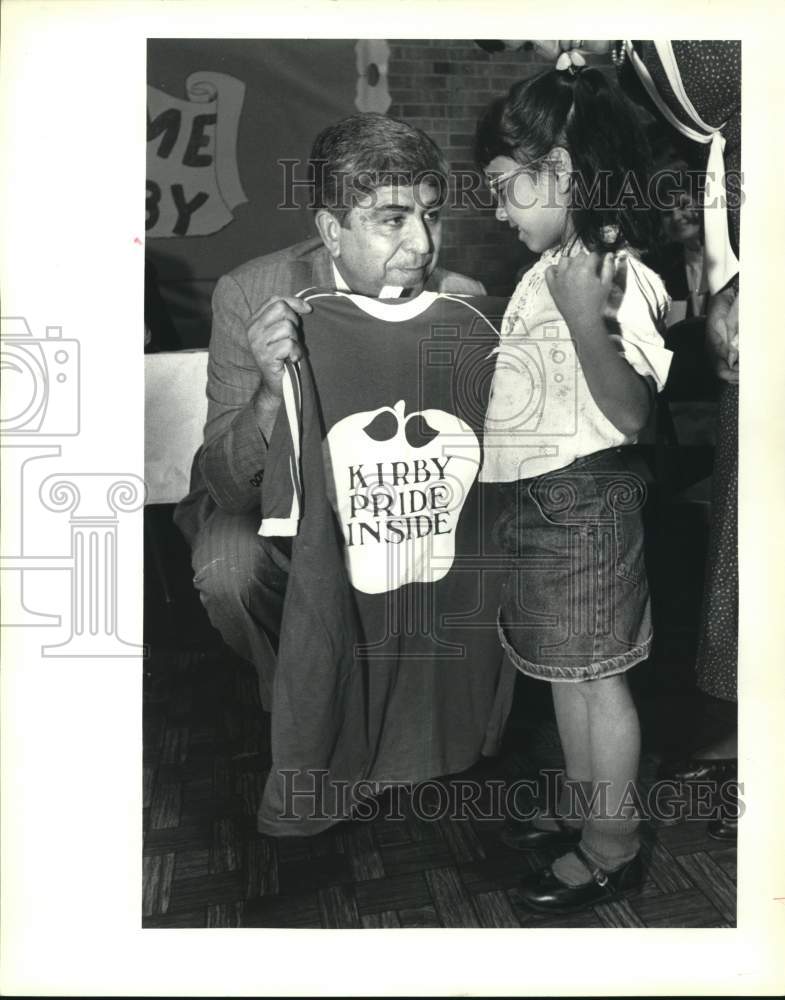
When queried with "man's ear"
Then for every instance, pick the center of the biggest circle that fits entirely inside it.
(330, 231)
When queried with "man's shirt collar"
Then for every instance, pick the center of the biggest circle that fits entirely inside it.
(388, 292)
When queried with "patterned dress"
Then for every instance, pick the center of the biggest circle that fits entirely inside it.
(711, 73)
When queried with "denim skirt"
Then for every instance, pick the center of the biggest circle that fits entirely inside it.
(575, 604)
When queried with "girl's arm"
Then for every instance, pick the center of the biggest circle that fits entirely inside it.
(585, 293)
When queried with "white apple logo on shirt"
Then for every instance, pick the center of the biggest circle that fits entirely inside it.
(398, 484)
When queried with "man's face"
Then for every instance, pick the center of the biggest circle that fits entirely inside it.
(392, 237)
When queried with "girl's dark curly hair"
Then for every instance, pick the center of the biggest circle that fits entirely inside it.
(592, 119)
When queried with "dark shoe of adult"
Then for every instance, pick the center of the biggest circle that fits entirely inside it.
(724, 829)
(523, 835)
(545, 893)
(701, 769)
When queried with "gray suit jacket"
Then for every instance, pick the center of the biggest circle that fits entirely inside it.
(227, 469)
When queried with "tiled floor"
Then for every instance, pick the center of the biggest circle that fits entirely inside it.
(206, 754)
(205, 864)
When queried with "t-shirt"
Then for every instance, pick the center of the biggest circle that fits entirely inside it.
(373, 471)
(403, 392)
(541, 414)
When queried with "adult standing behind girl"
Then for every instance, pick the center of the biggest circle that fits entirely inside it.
(580, 359)
(679, 257)
(696, 87)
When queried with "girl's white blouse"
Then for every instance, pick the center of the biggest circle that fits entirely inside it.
(541, 415)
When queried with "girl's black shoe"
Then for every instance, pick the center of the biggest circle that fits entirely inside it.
(701, 769)
(726, 828)
(545, 893)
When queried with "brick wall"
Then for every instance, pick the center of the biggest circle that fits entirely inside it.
(443, 87)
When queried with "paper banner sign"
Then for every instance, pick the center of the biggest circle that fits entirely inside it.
(192, 178)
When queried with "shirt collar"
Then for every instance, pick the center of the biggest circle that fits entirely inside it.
(388, 292)
(340, 284)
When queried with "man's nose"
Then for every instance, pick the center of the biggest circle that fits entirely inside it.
(501, 212)
(418, 237)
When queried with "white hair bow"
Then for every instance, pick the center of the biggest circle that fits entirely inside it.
(570, 58)
(570, 52)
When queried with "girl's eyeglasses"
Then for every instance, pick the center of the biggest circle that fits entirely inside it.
(499, 185)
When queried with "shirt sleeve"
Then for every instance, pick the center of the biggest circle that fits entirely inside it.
(640, 319)
(232, 456)
(282, 494)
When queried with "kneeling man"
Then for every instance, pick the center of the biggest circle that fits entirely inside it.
(378, 189)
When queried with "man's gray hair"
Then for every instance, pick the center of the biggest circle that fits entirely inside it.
(363, 152)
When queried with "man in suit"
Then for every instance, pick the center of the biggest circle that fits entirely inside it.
(378, 187)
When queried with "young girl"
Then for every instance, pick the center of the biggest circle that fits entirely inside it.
(580, 359)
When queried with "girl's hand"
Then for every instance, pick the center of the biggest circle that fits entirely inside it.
(587, 289)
